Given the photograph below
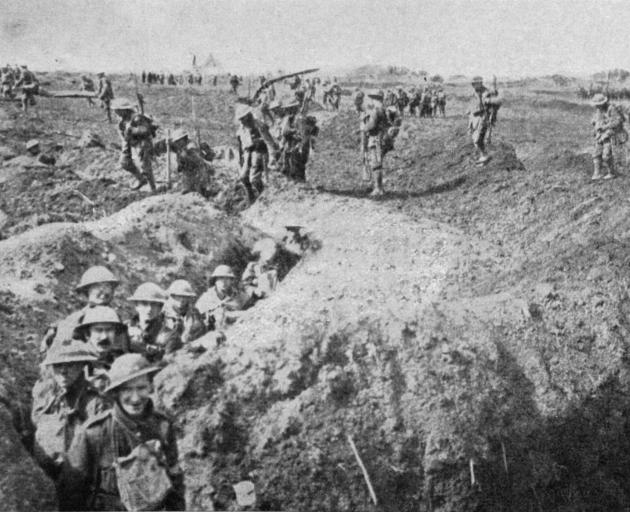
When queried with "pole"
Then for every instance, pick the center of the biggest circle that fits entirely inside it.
(363, 470)
(168, 159)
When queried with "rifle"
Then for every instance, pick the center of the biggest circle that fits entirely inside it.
(280, 78)
(194, 118)
(139, 96)
(491, 110)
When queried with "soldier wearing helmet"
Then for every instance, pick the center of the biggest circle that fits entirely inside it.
(148, 323)
(97, 284)
(608, 131)
(480, 116)
(252, 150)
(196, 172)
(136, 132)
(87, 85)
(181, 317)
(68, 400)
(105, 93)
(219, 306)
(30, 87)
(374, 125)
(131, 439)
(297, 134)
(102, 329)
(260, 277)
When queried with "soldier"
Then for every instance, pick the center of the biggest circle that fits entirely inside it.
(30, 87)
(137, 132)
(195, 171)
(61, 406)
(373, 128)
(87, 85)
(414, 101)
(219, 306)
(479, 118)
(123, 448)
(297, 132)
(147, 324)
(105, 93)
(252, 150)
(402, 100)
(260, 277)
(97, 284)
(359, 97)
(102, 329)
(608, 130)
(7, 79)
(234, 83)
(441, 102)
(180, 315)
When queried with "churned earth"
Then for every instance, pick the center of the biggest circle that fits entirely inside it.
(467, 332)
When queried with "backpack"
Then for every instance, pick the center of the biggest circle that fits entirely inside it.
(141, 477)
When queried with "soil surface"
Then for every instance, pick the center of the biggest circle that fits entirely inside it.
(467, 332)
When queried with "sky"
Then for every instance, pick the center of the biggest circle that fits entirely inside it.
(491, 37)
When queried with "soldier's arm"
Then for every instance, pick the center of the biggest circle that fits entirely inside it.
(74, 483)
(176, 499)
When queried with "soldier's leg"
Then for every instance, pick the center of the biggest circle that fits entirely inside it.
(108, 110)
(256, 172)
(478, 137)
(597, 161)
(145, 155)
(609, 159)
(244, 175)
(376, 163)
(127, 164)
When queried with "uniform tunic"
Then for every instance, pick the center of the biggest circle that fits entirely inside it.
(88, 480)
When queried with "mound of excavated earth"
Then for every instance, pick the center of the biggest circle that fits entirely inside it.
(364, 338)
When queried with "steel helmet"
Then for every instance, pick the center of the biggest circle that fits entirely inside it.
(33, 143)
(181, 287)
(148, 292)
(265, 247)
(243, 111)
(122, 104)
(598, 100)
(69, 351)
(127, 367)
(100, 315)
(178, 134)
(223, 271)
(96, 274)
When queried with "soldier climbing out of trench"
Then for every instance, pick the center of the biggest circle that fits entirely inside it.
(260, 277)
(137, 132)
(125, 458)
(219, 305)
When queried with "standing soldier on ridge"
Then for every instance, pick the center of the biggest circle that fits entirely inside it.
(30, 87)
(359, 97)
(105, 93)
(608, 130)
(479, 117)
(374, 127)
(234, 83)
(87, 85)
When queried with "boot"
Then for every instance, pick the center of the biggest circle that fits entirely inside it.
(378, 184)
(148, 177)
(251, 195)
(610, 164)
(140, 182)
(597, 169)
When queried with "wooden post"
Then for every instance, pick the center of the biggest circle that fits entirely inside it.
(168, 159)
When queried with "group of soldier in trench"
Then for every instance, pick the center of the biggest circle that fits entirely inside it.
(95, 420)
(96, 426)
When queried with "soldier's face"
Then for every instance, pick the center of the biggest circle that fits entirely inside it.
(147, 311)
(102, 336)
(134, 395)
(100, 294)
(224, 284)
(66, 374)
(180, 303)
